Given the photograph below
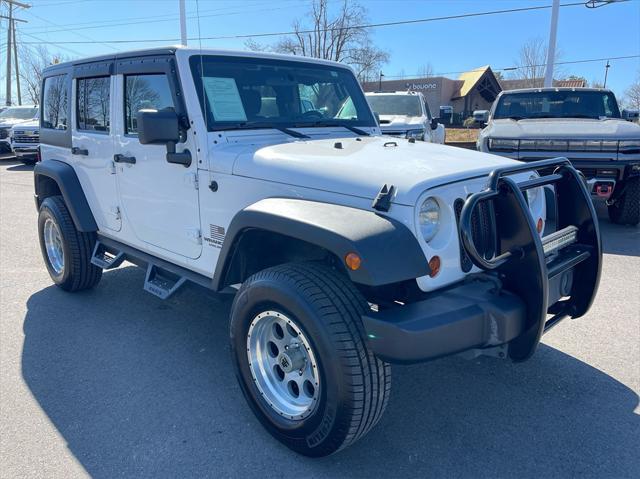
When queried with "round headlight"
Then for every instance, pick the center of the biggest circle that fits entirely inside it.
(429, 218)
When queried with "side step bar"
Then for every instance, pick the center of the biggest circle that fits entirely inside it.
(162, 283)
(105, 258)
(162, 278)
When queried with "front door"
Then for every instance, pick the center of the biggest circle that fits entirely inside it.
(159, 199)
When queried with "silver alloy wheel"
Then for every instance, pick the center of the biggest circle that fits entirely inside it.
(53, 245)
(283, 365)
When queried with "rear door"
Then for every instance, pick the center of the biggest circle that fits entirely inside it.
(159, 199)
(93, 141)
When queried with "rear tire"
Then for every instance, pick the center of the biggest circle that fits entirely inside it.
(351, 387)
(66, 251)
(626, 209)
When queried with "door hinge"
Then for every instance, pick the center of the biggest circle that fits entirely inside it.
(112, 168)
(192, 179)
(115, 212)
(195, 235)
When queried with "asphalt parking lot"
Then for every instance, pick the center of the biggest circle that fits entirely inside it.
(117, 383)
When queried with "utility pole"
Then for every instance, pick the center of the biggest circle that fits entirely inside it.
(183, 25)
(15, 58)
(380, 81)
(8, 74)
(551, 49)
(11, 35)
(606, 73)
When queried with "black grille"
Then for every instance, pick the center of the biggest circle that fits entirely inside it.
(482, 231)
(26, 139)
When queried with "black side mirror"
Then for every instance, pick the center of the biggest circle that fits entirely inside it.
(434, 123)
(162, 127)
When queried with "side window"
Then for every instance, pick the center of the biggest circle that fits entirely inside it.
(55, 103)
(92, 104)
(144, 92)
(608, 106)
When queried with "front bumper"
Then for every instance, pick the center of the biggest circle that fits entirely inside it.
(528, 286)
(25, 152)
(469, 316)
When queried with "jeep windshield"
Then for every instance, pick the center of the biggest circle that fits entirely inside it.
(19, 113)
(247, 93)
(405, 105)
(557, 104)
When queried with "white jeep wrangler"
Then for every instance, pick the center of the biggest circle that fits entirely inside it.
(346, 250)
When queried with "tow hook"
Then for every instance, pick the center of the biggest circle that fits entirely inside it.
(603, 190)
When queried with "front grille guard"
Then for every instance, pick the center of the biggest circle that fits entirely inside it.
(520, 260)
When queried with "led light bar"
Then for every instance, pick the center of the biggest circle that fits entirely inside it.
(559, 239)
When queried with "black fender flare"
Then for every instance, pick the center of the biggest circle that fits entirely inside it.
(389, 251)
(65, 177)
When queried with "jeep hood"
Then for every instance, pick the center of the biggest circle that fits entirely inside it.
(9, 122)
(569, 128)
(362, 166)
(400, 122)
(29, 124)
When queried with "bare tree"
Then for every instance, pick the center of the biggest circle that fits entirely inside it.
(426, 71)
(33, 60)
(596, 84)
(632, 94)
(531, 63)
(338, 37)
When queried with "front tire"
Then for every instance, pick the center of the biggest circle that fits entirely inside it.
(309, 316)
(65, 250)
(626, 209)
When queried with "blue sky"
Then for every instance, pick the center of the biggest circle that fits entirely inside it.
(449, 46)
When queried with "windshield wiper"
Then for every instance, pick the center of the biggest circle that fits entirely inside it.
(248, 125)
(353, 129)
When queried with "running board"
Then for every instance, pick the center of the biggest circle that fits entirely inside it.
(105, 257)
(162, 283)
(162, 278)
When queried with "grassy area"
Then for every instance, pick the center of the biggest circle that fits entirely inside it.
(461, 135)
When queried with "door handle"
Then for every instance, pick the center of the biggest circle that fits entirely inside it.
(79, 151)
(124, 159)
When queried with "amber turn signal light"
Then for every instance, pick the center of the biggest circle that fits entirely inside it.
(540, 225)
(353, 261)
(434, 266)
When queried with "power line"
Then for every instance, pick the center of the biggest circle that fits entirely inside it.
(363, 26)
(72, 31)
(569, 62)
(150, 19)
(146, 21)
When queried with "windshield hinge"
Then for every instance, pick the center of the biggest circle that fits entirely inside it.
(383, 200)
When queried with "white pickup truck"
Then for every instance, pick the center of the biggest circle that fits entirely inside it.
(581, 124)
(406, 114)
(25, 140)
(10, 117)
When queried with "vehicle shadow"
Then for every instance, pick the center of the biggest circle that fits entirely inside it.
(145, 388)
(18, 166)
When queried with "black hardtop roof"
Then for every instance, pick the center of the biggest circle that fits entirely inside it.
(111, 57)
